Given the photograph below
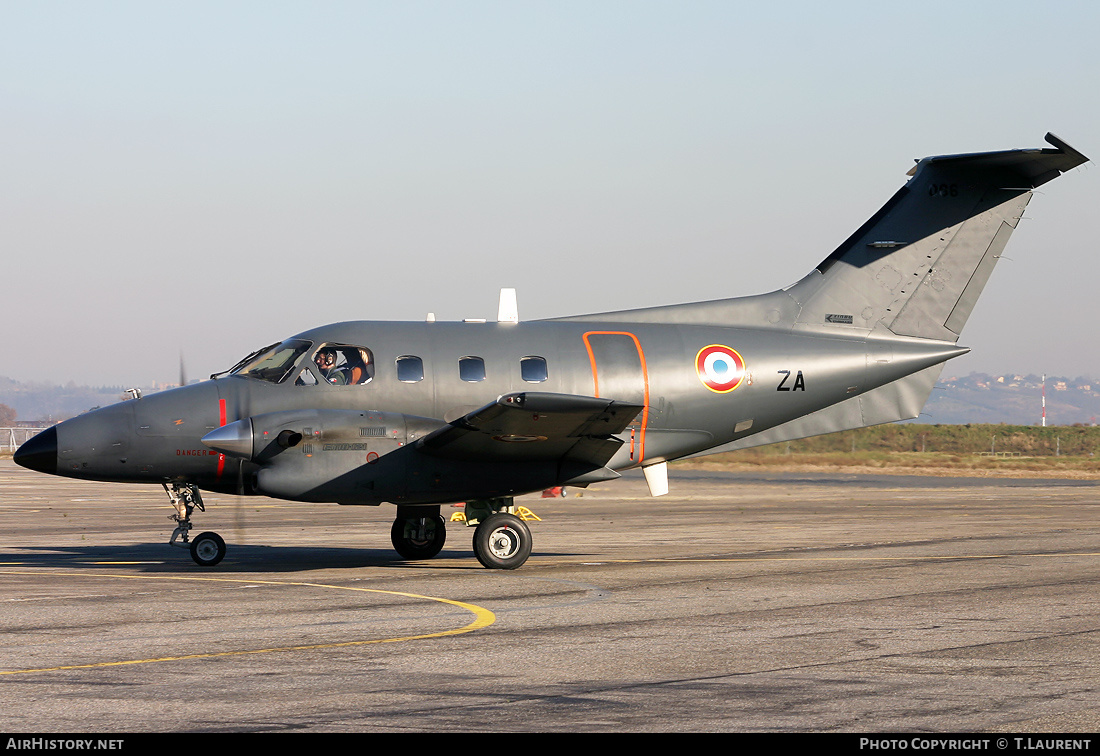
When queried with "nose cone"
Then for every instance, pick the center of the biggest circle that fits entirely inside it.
(39, 453)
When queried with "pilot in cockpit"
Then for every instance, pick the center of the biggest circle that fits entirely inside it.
(326, 363)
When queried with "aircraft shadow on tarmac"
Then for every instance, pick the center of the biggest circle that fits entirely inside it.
(241, 559)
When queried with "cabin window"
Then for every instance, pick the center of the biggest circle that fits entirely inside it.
(471, 369)
(344, 365)
(410, 369)
(533, 369)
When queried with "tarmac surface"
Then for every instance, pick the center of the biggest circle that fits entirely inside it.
(761, 602)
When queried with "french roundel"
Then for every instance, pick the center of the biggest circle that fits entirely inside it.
(720, 368)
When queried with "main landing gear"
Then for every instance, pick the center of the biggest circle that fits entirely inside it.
(207, 549)
(418, 532)
(502, 541)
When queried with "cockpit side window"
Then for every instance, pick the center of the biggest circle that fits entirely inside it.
(306, 378)
(344, 364)
(275, 363)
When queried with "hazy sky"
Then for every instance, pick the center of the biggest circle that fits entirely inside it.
(207, 178)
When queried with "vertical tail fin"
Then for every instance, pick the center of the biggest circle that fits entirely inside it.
(917, 266)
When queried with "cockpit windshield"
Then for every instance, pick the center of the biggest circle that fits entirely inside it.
(273, 364)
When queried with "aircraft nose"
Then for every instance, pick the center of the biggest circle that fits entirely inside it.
(39, 452)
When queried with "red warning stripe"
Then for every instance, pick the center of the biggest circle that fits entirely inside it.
(221, 422)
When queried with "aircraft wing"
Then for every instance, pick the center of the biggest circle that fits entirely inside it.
(535, 426)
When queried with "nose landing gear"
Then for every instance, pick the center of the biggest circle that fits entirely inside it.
(207, 549)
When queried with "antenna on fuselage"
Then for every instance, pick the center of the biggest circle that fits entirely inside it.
(508, 310)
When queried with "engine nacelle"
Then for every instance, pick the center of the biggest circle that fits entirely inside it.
(325, 455)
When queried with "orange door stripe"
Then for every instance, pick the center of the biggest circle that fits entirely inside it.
(645, 383)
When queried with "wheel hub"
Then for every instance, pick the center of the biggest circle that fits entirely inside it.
(503, 543)
(206, 549)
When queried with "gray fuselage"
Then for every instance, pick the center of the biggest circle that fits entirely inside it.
(785, 376)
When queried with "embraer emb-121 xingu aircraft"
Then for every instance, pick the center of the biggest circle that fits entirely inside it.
(422, 414)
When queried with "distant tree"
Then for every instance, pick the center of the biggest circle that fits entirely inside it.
(7, 416)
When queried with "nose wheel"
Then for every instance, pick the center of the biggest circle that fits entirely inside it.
(207, 549)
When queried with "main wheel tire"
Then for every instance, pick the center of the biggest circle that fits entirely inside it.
(502, 542)
(207, 549)
(404, 543)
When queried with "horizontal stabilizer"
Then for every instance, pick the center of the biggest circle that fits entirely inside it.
(1028, 169)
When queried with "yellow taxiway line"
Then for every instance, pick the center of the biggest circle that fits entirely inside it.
(482, 619)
